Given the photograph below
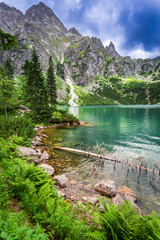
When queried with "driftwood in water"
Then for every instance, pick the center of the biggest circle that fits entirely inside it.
(139, 167)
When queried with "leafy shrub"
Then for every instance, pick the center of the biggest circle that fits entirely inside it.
(21, 127)
(38, 196)
(122, 222)
(63, 116)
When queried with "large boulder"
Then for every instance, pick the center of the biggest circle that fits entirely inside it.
(106, 187)
(27, 151)
(61, 180)
(128, 194)
(47, 168)
(118, 199)
(38, 155)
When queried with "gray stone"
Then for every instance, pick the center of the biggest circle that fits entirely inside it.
(117, 200)
(61, 180)
(27, 151)
(60, 193)
(47, 168)
(38, 154)
(106, 187)
(44, 156)
(92, 200)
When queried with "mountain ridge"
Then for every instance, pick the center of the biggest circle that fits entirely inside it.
(82, 56)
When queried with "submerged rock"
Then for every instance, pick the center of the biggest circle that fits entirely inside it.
(48, 169)
(128, 194)
(61, 180)
(106, 187)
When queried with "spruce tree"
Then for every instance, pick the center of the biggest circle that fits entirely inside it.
(51, 83)
(9, 69)
(35, 89)
(6, 89)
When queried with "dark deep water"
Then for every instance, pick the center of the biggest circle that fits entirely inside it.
(128, 133)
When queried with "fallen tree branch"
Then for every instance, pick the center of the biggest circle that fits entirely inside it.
(105, 158)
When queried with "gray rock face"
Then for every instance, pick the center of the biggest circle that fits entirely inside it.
(42, 14)
(48, 169)
(74, 31)
(61, 180)
(86, 57)
(111, 51)
(106, 187)
(9, 16)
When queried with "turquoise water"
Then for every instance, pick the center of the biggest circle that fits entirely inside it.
(128, 133)
(121, 129)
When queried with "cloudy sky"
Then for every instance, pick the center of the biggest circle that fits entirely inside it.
(132, 25)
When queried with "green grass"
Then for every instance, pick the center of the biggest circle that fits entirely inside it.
(14, 223)
(87, 98)
(128, 91)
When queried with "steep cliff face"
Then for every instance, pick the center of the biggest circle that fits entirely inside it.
(9, 16)
(85, 58)
(81, 58)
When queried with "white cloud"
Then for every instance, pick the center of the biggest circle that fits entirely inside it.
(105, 16)
(71, 4)
(139, 52)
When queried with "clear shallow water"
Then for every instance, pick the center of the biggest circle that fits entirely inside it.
(128, 133)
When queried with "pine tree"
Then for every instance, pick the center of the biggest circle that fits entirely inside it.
(9, 69)
(35, 89)
(6, 89)
(51, 83)
(7, 41)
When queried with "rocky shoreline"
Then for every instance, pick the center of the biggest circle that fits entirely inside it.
(68, 188)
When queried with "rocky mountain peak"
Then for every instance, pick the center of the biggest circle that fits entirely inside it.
(42, 14)
(74, 31)
(111, 50)
(5, 7)
(39, 11)
(111, 46)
